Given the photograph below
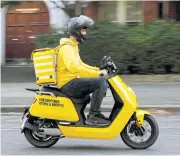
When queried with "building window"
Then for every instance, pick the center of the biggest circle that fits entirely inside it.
(83, 11)
(177, 11)
(160, 10)
(163, 10)
(80, 8)
(133, 11)
(107, 10)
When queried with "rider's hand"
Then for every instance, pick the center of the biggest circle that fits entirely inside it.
(103, 73)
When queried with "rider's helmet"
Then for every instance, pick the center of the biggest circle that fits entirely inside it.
(76, 24)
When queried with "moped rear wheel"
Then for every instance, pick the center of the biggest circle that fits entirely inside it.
(143, 138)
(40, 140)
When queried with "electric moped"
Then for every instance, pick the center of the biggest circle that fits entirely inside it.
(53, 115)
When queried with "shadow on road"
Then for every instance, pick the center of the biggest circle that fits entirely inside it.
(87, 148)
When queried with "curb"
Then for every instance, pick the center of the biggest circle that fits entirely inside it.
(7, 109)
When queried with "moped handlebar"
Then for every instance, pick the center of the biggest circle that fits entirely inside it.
(108, 64)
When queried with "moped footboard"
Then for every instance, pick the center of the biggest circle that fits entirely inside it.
(140, 115)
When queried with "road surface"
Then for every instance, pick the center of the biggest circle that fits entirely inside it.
(14, 143)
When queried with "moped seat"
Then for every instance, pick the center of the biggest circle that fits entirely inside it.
(58, 92)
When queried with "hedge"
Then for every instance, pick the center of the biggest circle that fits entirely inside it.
(142, 49)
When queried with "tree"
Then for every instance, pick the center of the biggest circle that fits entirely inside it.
(64, 7)
(9, 3)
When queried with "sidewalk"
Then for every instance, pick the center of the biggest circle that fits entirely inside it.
(156, 96)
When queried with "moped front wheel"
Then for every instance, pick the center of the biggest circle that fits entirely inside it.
(141, 137)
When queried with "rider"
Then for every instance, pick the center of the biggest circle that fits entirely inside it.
(77, 79)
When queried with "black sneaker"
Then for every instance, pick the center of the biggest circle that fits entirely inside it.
(104, 117)
(97, 120)
(100, 115)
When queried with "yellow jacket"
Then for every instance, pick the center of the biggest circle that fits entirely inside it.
(70, 65)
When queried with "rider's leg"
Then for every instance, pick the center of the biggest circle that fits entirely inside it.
(83, 86)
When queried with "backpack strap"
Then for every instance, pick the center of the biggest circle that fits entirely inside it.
(56, 50)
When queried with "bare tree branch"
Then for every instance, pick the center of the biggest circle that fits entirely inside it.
(58, 6)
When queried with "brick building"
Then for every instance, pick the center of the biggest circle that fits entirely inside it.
(131, 11)
(20, 24)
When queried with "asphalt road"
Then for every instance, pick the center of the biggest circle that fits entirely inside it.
(14, 143)
(166, 94)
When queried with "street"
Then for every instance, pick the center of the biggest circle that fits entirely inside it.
(164, 94)
(14, 143)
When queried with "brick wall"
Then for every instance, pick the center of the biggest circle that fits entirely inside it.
(150, 9)
(172, 10)
(92, 10)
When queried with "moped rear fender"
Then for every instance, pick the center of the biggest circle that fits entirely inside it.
(140, 115)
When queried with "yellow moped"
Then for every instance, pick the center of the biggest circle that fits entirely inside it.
(54, 115)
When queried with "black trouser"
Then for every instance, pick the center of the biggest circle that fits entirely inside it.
(83, 86)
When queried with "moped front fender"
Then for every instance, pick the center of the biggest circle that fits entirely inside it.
(140, 115)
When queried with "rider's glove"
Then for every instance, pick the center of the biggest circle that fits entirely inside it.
(103, 73)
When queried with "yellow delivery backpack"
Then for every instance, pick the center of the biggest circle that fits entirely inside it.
(45, 65)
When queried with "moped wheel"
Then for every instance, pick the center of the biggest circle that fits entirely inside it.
(143, 138)
(40, 140)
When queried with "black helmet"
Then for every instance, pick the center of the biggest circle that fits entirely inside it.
(76, 24)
